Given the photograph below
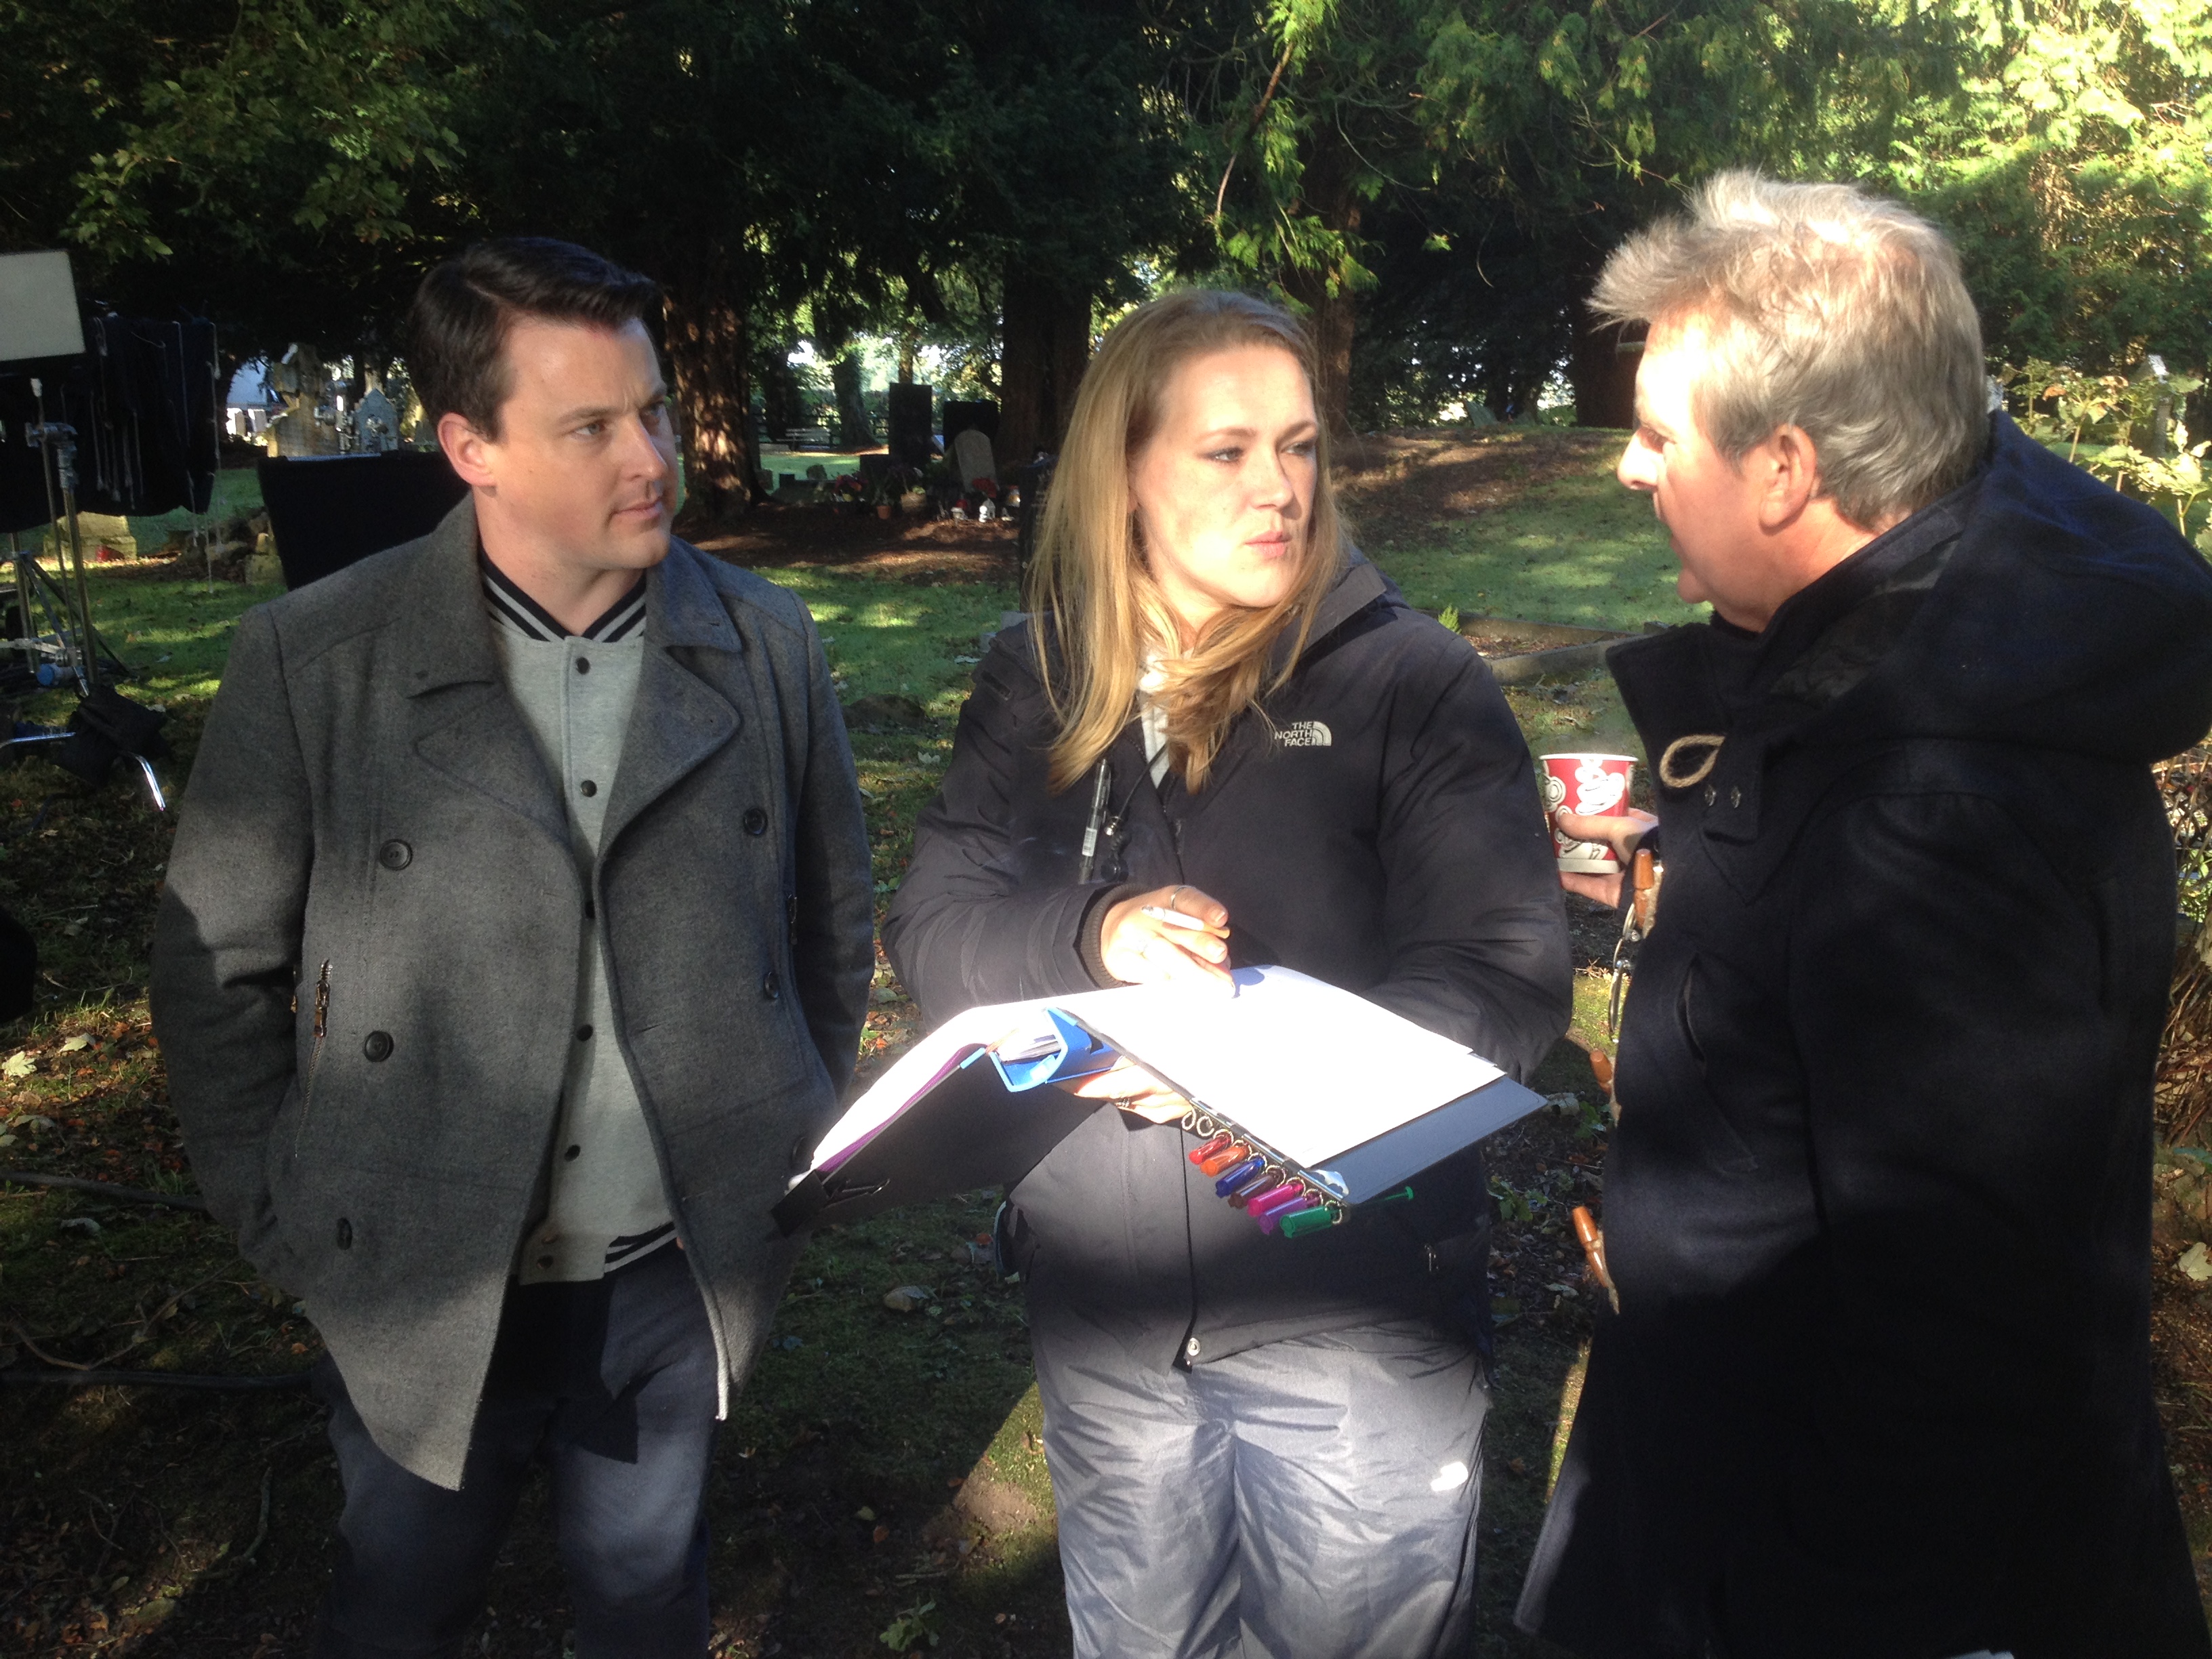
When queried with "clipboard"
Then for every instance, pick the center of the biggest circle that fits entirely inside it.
(1328, 1102)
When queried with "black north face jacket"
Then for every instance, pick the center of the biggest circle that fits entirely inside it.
(1878, 1207)
(1380, 831)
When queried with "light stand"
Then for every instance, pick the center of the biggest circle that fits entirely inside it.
(57, 443)
(39, 321)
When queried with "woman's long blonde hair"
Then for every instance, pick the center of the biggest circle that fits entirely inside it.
(1089, 580)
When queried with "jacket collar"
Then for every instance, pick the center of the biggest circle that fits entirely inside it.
(1358, 585)
(450, 634)
(478, 737)
(1712, 679)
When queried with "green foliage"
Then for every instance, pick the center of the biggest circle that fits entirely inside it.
(277, 164)
(2072, 166)
(305, 117)
(2128, 432)
(1455, 170)
(914, 1627)
(1465, 168)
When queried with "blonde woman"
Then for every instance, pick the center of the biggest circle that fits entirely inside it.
(1259, 1445)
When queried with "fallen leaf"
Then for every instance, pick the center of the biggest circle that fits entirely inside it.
(73, 1045)
(2196, 1262)
(18, 1065)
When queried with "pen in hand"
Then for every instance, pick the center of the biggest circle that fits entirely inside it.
(1173, 918)
(1176, 932)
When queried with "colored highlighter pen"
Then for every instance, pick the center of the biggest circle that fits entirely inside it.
(1276, 1199)
(1237, 1174)
(1266, 1181)
(1233, 1153)
(1206, 1150)
(1298, 1223)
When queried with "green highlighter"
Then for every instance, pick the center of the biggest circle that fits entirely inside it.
(1308, 1221)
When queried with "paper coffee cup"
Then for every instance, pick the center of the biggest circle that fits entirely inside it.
(1595, 785)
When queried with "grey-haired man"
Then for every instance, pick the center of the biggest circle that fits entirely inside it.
(1877, 1207)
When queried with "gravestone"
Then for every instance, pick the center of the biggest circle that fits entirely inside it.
(909, 421)
(376, 423)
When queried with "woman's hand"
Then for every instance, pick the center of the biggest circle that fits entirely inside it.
(1621, 834)
(1142, 950)
(1134, 1090)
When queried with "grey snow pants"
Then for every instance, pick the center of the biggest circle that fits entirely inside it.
(1312, 1498)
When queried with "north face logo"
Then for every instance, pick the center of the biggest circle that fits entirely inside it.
(1303, 734)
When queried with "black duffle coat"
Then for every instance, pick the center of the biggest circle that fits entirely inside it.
(1878, 1206)
(1379, 828)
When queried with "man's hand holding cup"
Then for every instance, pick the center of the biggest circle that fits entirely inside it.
(1594, 828)
(1620, 833)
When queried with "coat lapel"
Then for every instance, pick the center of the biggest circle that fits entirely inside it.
(464, 724)
(679, 719)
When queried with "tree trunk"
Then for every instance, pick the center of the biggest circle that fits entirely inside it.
(855, 430)
(1332, 318)
(1043, 350)
(1603, 369)
(708, 348)
(1323, 293)
(783, 410)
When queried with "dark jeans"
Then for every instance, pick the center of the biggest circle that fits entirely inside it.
(612, 1384)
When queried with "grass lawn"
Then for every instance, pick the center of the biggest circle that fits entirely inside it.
(1525, 522)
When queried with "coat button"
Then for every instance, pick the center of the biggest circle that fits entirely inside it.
(770, 991)
(573, 1154)
(1736, 795)
(588, 789)
(345, 1234)
(583, 1034)
(1711, 794)
(377, 1045)
(583, 665)
(755, 821)
(1191, 1348)
(395, 855)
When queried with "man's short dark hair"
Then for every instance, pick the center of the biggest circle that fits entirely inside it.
(457, 331)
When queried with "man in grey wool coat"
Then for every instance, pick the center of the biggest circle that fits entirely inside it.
(513, 957)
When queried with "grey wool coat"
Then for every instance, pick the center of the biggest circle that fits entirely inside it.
(364, 967)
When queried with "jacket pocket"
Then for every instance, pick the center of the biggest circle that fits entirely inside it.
(1670, 1053)
(1725, 1148)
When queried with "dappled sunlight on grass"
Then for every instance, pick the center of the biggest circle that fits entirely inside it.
(896, 638)
(1522, 524)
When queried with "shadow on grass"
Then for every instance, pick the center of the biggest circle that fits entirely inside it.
(879, 1468)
